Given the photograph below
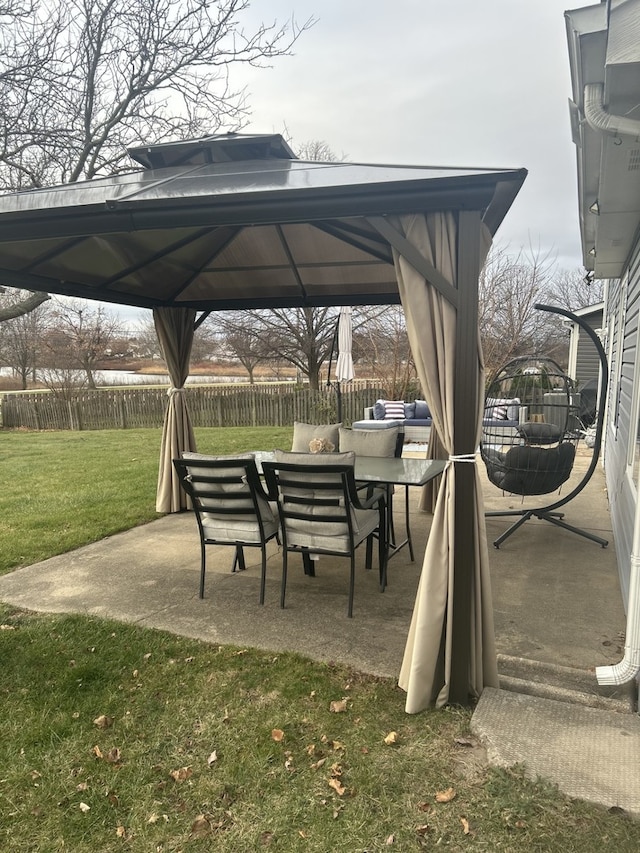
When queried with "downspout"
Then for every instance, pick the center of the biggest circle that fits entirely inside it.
(599, 119)
(629, 667)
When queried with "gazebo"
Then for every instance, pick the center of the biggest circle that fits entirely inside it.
(237, 221)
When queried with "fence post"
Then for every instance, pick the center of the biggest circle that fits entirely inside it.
(122, 413)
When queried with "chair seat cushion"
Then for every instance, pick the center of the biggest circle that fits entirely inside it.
(332, 537)
(226, 528)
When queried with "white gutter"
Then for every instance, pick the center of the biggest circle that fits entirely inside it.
(599, 119)
(629, 667)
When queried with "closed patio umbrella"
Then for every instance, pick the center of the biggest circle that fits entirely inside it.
(344, 363)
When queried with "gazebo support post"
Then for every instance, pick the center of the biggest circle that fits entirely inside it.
(464, 442)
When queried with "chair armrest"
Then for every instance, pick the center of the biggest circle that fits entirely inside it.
(368, 413)
(369, 502)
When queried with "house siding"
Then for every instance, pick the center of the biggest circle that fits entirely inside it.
(623, 308)
(587, 360)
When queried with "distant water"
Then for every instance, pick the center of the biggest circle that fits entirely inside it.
(128, 377)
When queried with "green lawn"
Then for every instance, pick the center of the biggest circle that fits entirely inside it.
(119, 738)
(60, 490)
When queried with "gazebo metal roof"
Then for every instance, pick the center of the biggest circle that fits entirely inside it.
(202, 227)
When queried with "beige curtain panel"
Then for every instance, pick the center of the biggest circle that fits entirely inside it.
(174, 327)
(431, 327)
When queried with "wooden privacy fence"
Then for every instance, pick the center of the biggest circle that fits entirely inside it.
(126, 408)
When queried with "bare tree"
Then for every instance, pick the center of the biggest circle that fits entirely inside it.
(317, 149)
(21, 342)
(81, 80)
(381, 345)
(146, 339)
(80, 336)
(574, 289)
(244, 346)
(510, 326)
(14, 303)
(300, 336)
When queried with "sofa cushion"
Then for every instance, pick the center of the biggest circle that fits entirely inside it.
(304, 433)
(422, 410)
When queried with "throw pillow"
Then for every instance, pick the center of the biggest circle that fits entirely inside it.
(378, 410)
(304, 433)
(369, 442)
(499, 413)
(394, 410)
(409, 410)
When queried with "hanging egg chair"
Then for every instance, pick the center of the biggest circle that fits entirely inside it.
(530, 432)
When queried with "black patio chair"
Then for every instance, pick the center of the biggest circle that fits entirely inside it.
(321, 512)
(231, 507)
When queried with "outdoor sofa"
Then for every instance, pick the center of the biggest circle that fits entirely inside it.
(501, 421)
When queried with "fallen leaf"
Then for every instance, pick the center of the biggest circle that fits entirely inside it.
(97, 752)
(338, 705)
(113, 798)
(336, 769)
(318, 764)
(465, 825)
(445, 796)
(103, 721)
(521, 824)
(424, 807)
(277, 735)
(36, 775)
(153, 818)
(392, 737)
(423, 829)
(266, 837)
(182, 774)
(201, 826)
(83, 786)
(212, 758)
(147, 656)
(121, 832)
(302, 833)
(114, 755)
(7, 627)
(337, 786)
(465, 741)
(390, 840)
(84, 808)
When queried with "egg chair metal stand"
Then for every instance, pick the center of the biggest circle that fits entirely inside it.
(541, 433)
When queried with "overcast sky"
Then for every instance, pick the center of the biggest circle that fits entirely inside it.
(437, 83)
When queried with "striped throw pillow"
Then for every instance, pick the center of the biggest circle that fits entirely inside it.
(394, 410)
